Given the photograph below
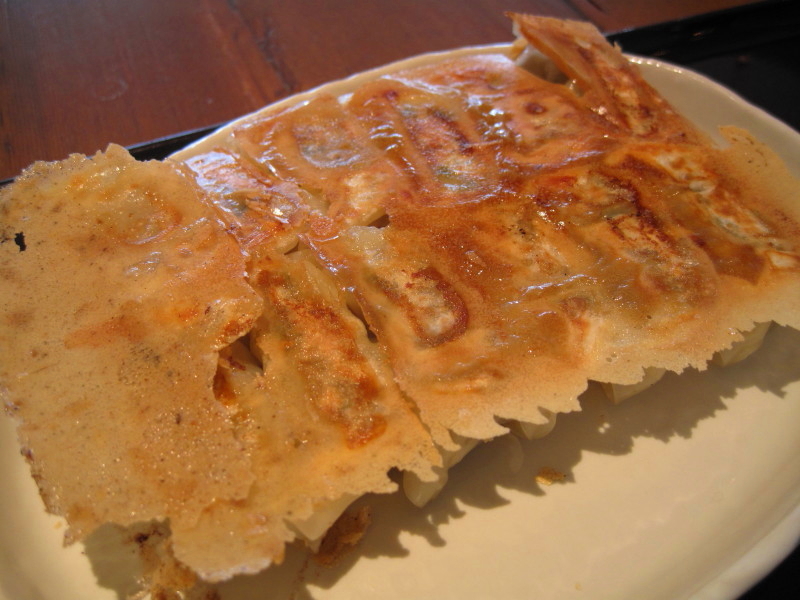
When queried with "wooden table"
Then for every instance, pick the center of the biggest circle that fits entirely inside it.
(77, 76)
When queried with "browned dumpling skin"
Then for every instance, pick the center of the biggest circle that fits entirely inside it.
(323, 150)
(548, 242)
(114, 309)
(612, 86)
(320, 414)
(313, 398)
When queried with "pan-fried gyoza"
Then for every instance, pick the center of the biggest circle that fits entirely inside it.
(247, 337)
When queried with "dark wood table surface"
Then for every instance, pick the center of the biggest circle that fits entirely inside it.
(75, 76)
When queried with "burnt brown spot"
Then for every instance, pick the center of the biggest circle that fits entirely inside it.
(19, 240)
(452, 127)
(141, 538)
(534, 108)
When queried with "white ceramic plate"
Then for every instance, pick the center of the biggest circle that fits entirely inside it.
(690, 490)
